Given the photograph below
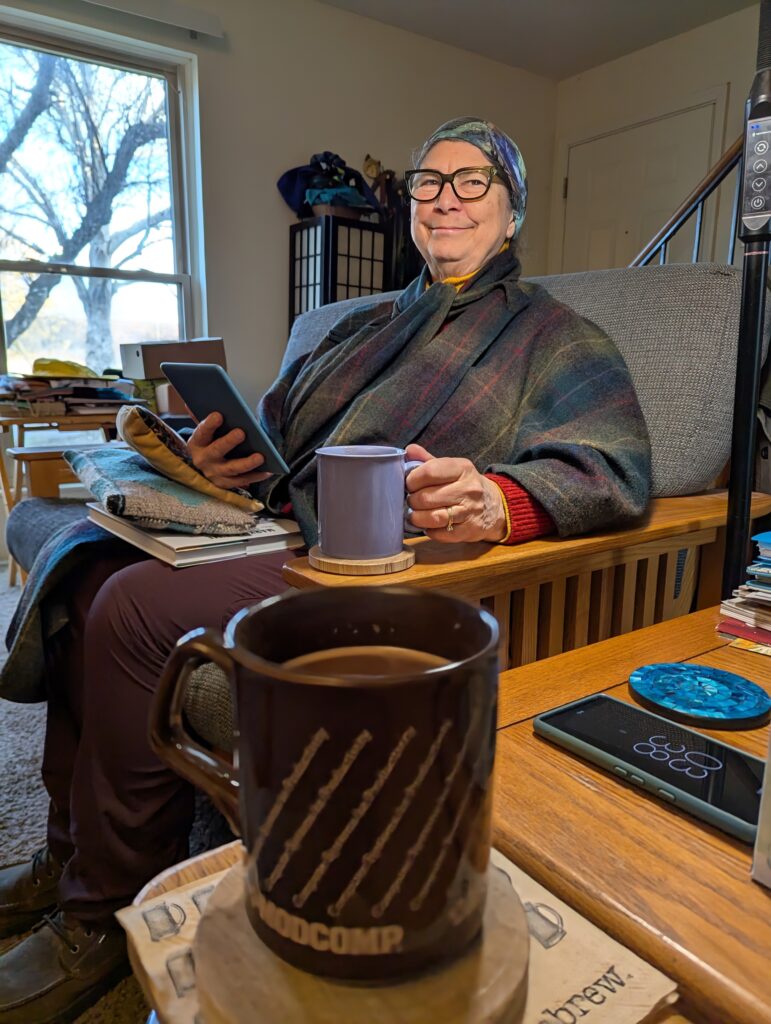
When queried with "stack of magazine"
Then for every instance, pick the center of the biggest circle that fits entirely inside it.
(181, 549)
(747, 614)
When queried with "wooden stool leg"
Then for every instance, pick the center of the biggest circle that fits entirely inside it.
(8, 496)
(18, 481)
(18, 468)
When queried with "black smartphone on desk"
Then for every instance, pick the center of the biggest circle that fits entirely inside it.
(206, 388)
(711, 780)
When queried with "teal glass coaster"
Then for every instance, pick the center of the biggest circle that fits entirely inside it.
(700, 695)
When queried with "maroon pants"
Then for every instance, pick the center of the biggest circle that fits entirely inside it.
(117, 814)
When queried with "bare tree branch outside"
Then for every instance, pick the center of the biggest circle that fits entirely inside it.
(85, 180)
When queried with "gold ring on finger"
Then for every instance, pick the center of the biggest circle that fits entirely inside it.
(450, 525)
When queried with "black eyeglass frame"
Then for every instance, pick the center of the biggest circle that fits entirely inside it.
(491, 172)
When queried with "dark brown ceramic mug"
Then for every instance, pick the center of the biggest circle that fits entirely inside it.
(364, 781)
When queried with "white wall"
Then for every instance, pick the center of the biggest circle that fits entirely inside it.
(649, 83)
(295, 77)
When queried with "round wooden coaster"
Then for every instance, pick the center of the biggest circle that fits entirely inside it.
(239, 980)
(361, 566)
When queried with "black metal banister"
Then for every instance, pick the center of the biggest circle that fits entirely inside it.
(694, 203)
(734, 230)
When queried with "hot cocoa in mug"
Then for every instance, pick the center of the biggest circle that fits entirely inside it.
(366, 737)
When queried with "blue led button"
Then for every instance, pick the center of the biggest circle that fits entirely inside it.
(701, 695)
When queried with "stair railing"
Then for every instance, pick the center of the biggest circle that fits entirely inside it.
(693, 205)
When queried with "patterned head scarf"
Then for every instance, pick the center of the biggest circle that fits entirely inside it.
(502, 152)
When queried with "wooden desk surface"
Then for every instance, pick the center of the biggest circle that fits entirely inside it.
(673, 889)
(53, 452)
(68, 420)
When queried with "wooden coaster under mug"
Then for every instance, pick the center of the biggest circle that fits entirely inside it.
(361, 566)
(240, 980)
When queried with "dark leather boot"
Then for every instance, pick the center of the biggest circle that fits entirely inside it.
(62, 968)
(27, 891)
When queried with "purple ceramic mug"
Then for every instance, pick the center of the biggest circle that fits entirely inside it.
(361, 500)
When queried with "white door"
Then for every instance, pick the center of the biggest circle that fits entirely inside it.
(622, 188)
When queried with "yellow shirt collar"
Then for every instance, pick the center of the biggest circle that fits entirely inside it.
(458, 282)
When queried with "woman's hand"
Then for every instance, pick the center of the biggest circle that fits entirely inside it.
(210, 456)
(451, 492)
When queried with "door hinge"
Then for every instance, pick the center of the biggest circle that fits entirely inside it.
(564, 188)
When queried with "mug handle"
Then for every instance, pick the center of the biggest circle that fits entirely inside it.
(415, 531)
(550, 914)
(168, 736)
(182, 915)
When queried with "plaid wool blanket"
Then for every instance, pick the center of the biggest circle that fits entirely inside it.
(500, 373)
(37, 618)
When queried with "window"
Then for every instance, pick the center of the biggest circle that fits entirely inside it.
(92, 244)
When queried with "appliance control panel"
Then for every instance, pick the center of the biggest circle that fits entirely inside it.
(756, 190)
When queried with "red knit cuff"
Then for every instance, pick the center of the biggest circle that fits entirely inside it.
(526, 518)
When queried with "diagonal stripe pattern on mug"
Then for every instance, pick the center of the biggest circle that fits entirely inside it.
(418, 901)
(367, 799)
(293, 844)
(379, 908)
(373, 855)
(288, 786)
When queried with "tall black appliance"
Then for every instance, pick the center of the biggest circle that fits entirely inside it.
(755, 233)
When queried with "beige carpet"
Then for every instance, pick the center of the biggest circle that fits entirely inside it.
(23, 812)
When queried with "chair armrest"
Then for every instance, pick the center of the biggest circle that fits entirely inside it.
(478, 570)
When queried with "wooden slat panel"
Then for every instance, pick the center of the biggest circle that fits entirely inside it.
(577, 611)
(665, 593)
(645, 596)
(502, 612)
(556, 617)
(601, 613)
(551, 618)
(623, 613)
(524, 626)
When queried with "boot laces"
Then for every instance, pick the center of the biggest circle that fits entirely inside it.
(42, 861)
(56, 924)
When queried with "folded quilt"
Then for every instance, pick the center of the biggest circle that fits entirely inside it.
(128, 486)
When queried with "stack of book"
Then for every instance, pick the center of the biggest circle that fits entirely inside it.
(181, 549)
(43, 395)
(747, 615)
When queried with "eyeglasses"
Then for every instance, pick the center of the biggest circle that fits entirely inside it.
(468, 183)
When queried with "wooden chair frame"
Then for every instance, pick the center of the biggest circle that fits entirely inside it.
(553, 595)
(549, 595)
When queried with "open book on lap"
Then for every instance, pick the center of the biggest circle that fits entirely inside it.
(183, 549)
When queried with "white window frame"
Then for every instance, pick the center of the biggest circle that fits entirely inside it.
(180, 69)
